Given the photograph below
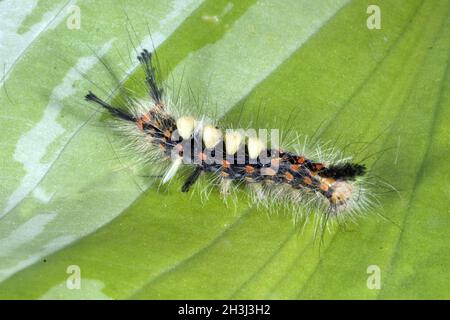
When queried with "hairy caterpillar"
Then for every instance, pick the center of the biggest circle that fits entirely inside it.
(161, 133)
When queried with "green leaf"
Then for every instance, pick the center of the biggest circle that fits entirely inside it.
(70, 197)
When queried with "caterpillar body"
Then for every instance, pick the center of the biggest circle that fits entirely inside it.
(333, 187)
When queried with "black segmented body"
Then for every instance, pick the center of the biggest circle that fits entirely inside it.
(283, 167)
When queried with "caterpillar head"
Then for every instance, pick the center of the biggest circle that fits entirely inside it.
(348, 196)
(342, 194)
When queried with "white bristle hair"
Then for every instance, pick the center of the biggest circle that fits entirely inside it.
(255, 146)
(186, 127)
(173, 169)
(233, 141)
(211, 136)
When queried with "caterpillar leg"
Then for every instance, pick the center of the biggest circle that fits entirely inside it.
(192, 179)
(156, 92)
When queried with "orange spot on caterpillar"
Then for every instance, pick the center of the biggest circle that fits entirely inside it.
(289, 176)
(145, 118)
(275, 162)
(226, 164)
(202, 156)
(318, 166)
(249, 169)
(324, 187)
(300, 160)
(294, 167)
(307, 180)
